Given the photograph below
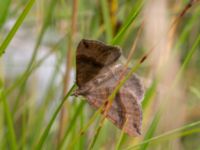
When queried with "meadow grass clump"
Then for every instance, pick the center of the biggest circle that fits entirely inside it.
(160, 40)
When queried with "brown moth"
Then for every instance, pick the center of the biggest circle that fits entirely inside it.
(97, 74)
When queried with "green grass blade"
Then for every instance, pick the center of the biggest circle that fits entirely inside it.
(16, 26)
(50, 94)
(119, 141)
(82, 120)
(115, 41)
(4, 8)
(48, 16)
(133, 14)
(107, 21)
(95, 137)
(72, 122)
(9, 120)
(187, 59)
(36, 48)
(22, 80)
(92, 119)
(24, 129)
(149, 94)
(33, 68)
(187, 29)
(190, 54)
(166, 134)
(151, 131)
(111, 98)
(125, 78)
(195, 91)
(47, 129)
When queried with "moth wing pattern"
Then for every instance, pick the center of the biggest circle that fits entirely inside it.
(91, 57)
(125, 111)
(135, 85)
(133, 112)
(97, 76)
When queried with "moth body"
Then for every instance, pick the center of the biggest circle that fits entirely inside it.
(98, 74)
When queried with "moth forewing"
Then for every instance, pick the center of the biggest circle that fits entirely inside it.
(98, 73)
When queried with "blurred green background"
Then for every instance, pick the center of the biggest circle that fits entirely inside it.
(38, 40)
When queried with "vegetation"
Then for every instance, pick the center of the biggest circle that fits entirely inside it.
(161, 41)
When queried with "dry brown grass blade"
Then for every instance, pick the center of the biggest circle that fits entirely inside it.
(187, 7)
(113, 7)
(108, 102)
(131, 52)
(69, 60)
(171, 28)
(105, 108)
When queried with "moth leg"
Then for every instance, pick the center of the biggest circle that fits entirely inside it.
(81, 91)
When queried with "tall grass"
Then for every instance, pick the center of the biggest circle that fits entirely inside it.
(16, 25)
(31, 120)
